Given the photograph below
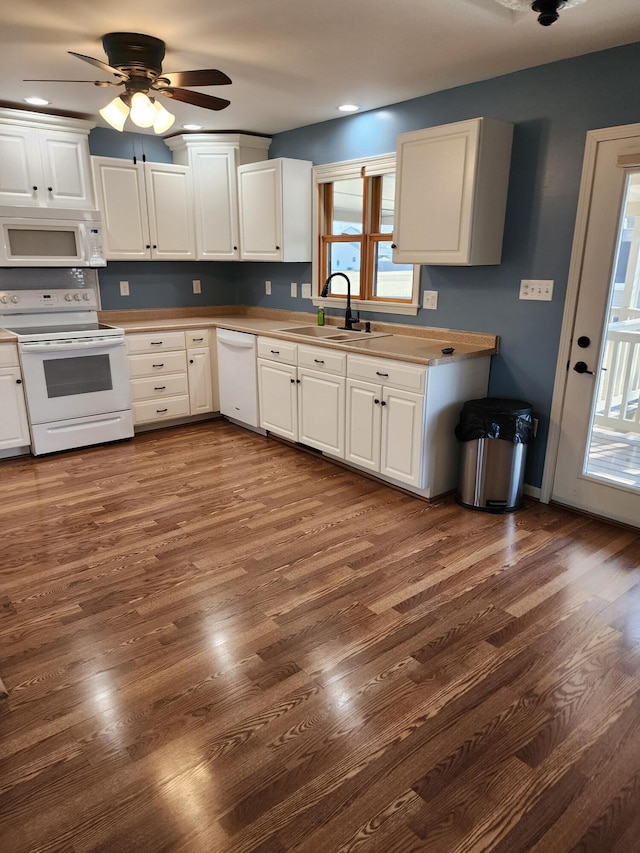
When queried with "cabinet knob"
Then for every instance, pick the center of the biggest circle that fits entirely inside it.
(18, 381)
(50, 189)
(190, 361)
(148, 246)
(154, 246)
(393, 246)
(235, 248)
(293, 381)
(376, 402)
(35, 189)
(382, 403)
(297, 381)
(278, 248)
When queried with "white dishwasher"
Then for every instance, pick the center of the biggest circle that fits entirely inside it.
(238, 376)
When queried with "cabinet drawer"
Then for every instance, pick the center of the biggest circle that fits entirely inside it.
(8, 355)
(277, 350)
(155, 341)
(321, 359)
(157, 364)
(385, 371)
(197, 338)
(161, 410)
(151, 388)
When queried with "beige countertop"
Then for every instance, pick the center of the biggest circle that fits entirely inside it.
(418, 344)
(7, 337)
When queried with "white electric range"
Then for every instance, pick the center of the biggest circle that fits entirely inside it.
(74, 369)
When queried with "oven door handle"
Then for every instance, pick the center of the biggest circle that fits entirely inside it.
(28, 347)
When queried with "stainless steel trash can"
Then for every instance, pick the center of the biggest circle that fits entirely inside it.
(495, 433)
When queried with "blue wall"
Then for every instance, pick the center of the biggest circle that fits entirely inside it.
(552, 108)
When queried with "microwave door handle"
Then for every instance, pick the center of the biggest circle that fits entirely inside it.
(76, 345)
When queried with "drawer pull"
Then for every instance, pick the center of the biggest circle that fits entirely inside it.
(275, 351)
(198, 339)
(161, 411)
(318, 361)
(158, 365)
(156, 343)
(381, 374)
(160, 388)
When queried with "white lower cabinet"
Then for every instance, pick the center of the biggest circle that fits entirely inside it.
(302, 394)
(14, 427)
(385, 429)
(170, 377)
(392, 418)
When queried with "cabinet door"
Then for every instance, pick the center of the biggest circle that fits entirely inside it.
(21, 179)
(122, 201)
(321, 411)
(260, 199)
(402, 446)
(170, 211)
(277, 390)
(364, 420)
(67, 171)
(200, 389)
(14, 429)
(434, 194)
(216, 204)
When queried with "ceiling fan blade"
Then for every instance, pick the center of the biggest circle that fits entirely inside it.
(95, 82)
(196, 98)
(209, 77)
(100, 64)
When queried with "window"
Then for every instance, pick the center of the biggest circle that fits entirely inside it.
(355, 236)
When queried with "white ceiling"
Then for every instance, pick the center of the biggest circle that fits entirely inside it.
(293, 62)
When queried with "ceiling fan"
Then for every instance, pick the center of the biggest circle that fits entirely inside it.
(136, 61)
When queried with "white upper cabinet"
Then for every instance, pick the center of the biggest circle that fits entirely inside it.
(44, 161)
(146, 209)
(275, 210)
(451, 193)
(213, 160)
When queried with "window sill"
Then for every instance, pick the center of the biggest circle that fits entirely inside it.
(369, 307)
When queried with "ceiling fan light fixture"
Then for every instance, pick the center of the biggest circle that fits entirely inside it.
(115, 113)
(548, 10)
(163, 120)
(143, 111)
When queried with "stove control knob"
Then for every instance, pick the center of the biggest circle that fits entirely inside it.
(77, 297)
(4, 298)
(86, 297)
(15, 299)
(68, 297)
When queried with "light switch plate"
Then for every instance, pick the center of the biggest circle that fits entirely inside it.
(124, 288)
(306, 290)
(267, 288)
(430, 300)
(538, 289)
(294, 289)
(196, 286)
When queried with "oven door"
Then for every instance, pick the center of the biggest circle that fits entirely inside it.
(65, 379)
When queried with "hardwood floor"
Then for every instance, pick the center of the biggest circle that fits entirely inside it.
(213, 642)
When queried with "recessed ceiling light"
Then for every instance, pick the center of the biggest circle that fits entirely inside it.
(348, 108)
(192, 126)
(36, 102)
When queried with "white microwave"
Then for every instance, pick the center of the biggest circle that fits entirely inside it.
(52, 238)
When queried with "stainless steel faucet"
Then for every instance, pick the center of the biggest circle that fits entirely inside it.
(349, 318)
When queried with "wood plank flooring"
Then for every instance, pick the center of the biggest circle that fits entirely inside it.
(213, 642)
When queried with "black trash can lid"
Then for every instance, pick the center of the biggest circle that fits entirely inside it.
(498, 405)
(496, 417)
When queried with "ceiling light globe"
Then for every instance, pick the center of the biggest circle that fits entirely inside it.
(163, 120)
(115, 113)
(143, 112)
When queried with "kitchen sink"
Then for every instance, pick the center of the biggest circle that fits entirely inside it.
(332, 333)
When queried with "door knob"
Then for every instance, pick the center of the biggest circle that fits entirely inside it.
(583, 341)
(582, 367)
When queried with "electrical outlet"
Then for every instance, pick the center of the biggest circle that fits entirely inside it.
(538, 289)
(294, 289)
(196, 286)
(430, 299)
(267, 288)
(124, 288)
(306, 291)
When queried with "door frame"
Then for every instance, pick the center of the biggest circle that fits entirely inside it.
(594, 139)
